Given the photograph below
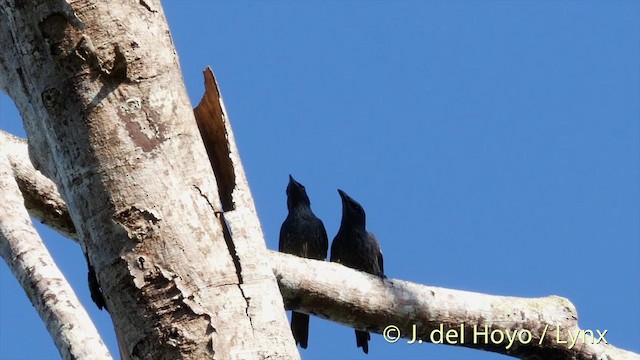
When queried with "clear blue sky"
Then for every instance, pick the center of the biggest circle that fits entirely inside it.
(494, 145)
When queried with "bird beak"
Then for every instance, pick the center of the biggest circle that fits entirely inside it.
(294, 183)
(343, 196)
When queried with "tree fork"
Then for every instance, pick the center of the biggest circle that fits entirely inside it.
(108, 120)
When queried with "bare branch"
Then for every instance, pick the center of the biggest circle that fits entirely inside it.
(21, 247)
(538, 328)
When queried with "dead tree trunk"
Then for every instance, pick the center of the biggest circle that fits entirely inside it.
(177, 248)
(100, 90)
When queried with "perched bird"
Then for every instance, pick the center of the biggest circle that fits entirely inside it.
(357, 248)
(302, 234)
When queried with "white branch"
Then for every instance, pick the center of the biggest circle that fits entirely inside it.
(21, 247)
(543, 327)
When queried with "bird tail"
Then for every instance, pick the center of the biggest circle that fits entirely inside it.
(362, 340)
(300, 328)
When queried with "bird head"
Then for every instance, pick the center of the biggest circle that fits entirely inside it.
(352, 211)
(296, 194)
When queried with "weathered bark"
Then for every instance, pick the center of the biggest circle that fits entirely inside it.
(361, 301)
(238, 211)
(21, 247)
(109, 121)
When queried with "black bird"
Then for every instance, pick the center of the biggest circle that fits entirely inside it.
(357, 248)
(304, 235)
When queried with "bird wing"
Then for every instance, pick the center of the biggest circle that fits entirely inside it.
(380, 263)
(283, 237)
(377, 253)
(323, 240)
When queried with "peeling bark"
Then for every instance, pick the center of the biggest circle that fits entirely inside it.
(108, 120)
(239, 218)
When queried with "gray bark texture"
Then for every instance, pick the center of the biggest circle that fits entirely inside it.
(108, 120)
